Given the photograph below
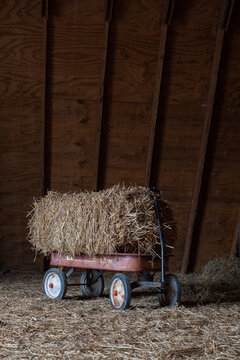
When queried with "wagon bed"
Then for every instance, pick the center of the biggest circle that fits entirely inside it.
(112, 262)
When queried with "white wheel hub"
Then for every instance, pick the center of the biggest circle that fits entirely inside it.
(52, 285)
(117, 293)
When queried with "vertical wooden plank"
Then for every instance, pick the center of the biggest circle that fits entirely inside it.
(236, 237)
(215, 223)
(43, 105)
(224, 19)
(108, 13)
(182, 106)
(21, 80)
(75, 41)
(166, 15)
(132, 61)
(43, 185)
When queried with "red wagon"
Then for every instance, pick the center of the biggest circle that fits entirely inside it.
(92, 281)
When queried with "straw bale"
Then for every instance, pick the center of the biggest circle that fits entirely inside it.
(222, 269)
(119, 219)
(219, 281)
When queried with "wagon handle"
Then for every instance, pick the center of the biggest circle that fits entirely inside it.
(152, 192)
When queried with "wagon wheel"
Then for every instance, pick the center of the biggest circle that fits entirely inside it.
(54, 283)
(120, 292)
(95, 287)
(170, 295)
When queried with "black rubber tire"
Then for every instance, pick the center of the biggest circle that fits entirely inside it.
(122, 300)
(170, 296)
(94, 290)
(57, 276)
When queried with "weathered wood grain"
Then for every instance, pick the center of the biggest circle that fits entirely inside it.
(125, 137)
(187, 67)
(134, 42)
(108, 16)
(203, 148)
(179, 210)
(132, 61)
(215, 234)
(14, 209)
(15, 12)
(20, 146)
(167, 9)
(176, 150)
(15, 252)
(20, 59)
(75, 12)
(221, 187)
(71, 135)
(43, 102)
(75, 38)
(20, 112)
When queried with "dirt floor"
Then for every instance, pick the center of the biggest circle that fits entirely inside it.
(206, 325)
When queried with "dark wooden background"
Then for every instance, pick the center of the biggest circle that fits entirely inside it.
(91, 96)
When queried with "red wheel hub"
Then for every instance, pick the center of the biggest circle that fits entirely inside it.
(51, 285)
(115, 292)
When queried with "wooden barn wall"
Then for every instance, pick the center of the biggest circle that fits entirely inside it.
(187, 68)
(133, 51)
(218, 213)
(75, 40)
(21, 38)
(102, 68)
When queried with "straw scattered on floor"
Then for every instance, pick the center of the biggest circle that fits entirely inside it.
(34, 327)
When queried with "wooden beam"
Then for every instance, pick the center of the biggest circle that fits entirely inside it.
(167, 11)
(225, 15)
(44, 14)
(107, 15)
(236, 238)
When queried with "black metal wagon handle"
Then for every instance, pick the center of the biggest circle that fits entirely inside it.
(156, 195)
(152, 192)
